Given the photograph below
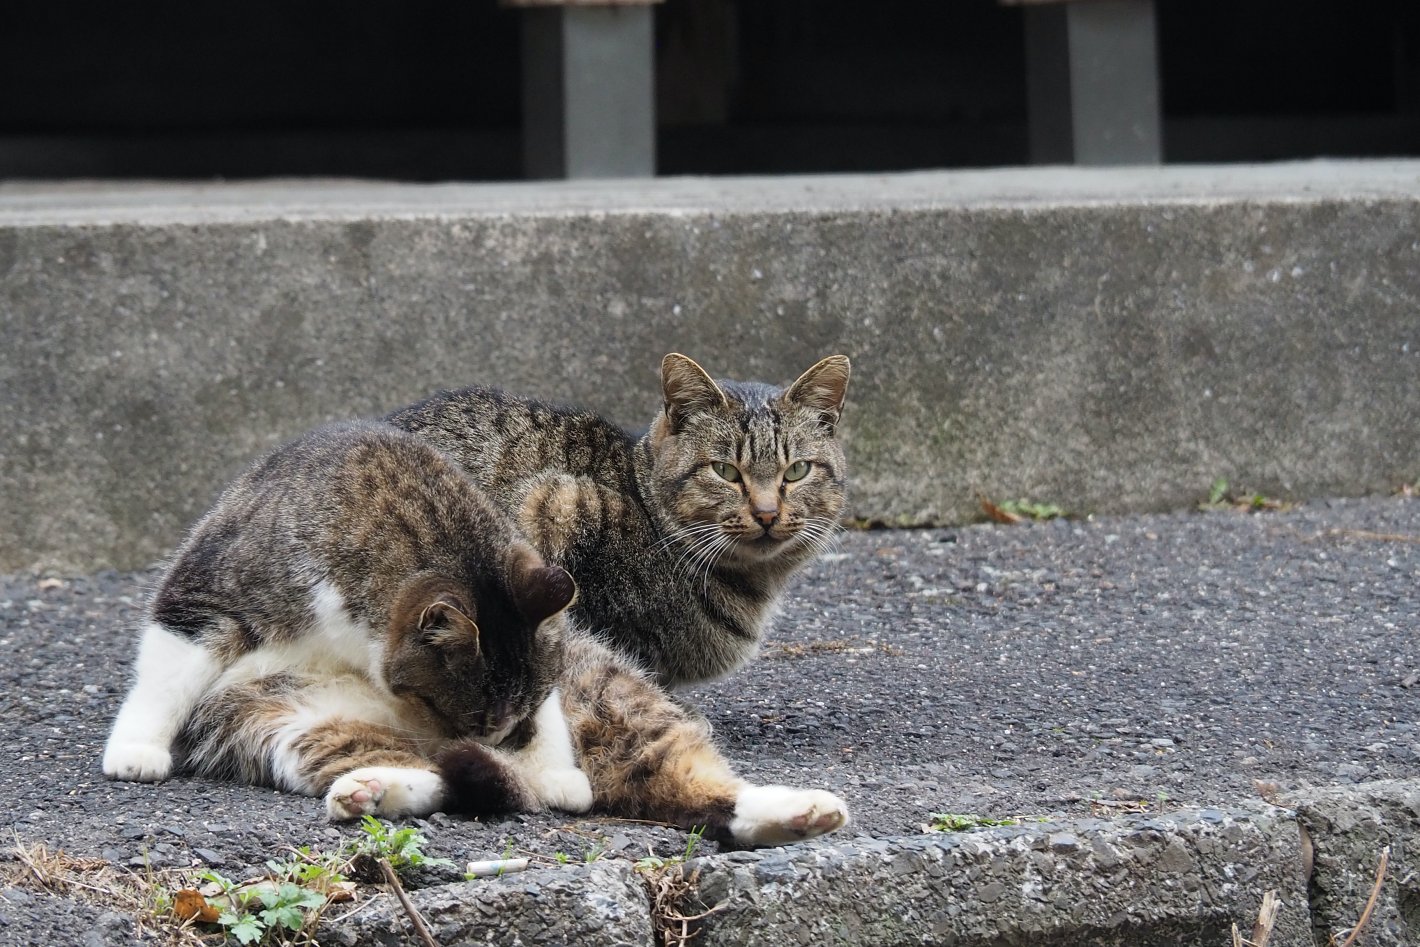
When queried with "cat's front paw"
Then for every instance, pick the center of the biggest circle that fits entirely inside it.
(137, 762)
(565, 788)
(776, 815)
(384, 790)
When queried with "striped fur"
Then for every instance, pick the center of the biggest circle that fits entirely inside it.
(351, 589)
(676, 565)
(354, 619)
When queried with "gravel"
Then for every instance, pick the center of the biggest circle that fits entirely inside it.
(1066, 668)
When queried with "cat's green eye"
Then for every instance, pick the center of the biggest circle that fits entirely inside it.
(726, 471)
(798, 470)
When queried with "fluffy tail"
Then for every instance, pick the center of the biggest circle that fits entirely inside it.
(479, 782)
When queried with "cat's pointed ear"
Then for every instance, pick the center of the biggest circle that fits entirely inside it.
(539, 590)
(687, 389)
(447, 614)
(545, 591)
(822, 389)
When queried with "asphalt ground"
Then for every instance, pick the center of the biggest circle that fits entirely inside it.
(1063, 668)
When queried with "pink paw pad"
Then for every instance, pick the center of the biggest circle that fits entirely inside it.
(372, 791)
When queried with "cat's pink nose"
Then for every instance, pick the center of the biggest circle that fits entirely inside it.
(767, 517)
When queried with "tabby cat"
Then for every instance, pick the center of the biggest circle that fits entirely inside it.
(354, 618)
(681, 541)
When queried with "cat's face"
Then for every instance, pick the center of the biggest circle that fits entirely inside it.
(750, 472)
(479, 661)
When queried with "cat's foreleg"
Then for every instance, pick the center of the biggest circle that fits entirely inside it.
(548, 763)
(171, 674)
(392, 791)
(364, 768)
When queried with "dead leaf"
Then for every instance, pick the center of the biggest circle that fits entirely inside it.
(340, 892)
(1269, 791)
(190, 905)
(995, 512)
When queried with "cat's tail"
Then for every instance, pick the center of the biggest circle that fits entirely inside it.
(478, 781)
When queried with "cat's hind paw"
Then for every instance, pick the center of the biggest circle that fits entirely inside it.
(137, 762)
(776, 815)
(384, 790)
(565, 788)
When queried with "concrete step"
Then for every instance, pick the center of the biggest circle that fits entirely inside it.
(1160, 881)
(1103, 339)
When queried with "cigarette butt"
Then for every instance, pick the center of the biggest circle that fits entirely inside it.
(496, 866)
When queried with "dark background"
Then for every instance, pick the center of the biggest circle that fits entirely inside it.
(430, 91)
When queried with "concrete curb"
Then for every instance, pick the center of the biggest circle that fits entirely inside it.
(1156, 881)
(600, 905)
(1109, 341)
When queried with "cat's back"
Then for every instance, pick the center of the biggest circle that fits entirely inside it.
(501, 439)
(349, 506)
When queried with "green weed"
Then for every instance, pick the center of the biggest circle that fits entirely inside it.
(403, 848)
(963, 822)
(656, 863)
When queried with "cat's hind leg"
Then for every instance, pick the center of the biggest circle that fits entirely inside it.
(171, 675)
(649, 757)
(777, 815)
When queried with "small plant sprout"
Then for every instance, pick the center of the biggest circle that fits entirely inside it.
(964, 822)
(402, 848)
(1220, 497)
(652, 863)
(1015, 511)
(1218, 491)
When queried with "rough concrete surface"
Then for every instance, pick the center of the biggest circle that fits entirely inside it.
(603, 904)
(1111, 340)
(1349, 828)
(1180, 879)
(1137, 682)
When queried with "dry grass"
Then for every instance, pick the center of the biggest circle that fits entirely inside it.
(1266, 920)
(670, 889)
(144, 897)
(1370, 902)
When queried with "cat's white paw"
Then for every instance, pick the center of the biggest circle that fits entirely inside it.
(564, 788)
(775, 815)
(137, 762)
(384, 790)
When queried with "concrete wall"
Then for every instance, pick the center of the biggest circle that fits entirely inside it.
(1105, 340)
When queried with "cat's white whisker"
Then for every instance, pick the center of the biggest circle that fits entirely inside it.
(698, 554)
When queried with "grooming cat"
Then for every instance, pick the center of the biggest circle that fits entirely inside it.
(355, 619)
(681, 541)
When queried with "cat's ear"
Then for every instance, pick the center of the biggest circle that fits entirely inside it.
(432, 606)
(545, 592)
(447, 613)
(687, 389)
(822, 389)
(539, 590)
